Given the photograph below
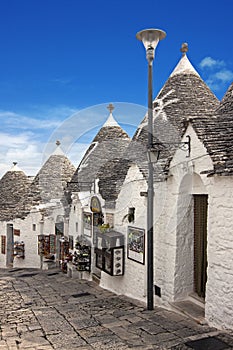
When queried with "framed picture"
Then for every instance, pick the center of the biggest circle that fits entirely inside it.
(87, 224)
(136, 244)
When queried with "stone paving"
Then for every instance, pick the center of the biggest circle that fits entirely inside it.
(45, 310)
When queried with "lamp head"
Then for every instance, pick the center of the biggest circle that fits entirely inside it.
(150, 39)
(153, 155)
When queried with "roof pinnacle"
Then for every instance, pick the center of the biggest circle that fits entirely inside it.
(111, 121)
(15, 167)
(58, 151)
(110, 107)
(184, 49)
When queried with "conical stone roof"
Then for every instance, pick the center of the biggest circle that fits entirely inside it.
(184, 96)
(216, 135)
(47, 188)
(225, 110)
(106, 149)
(13, 186)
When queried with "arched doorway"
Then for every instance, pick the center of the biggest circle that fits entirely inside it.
(200, 243)
(191, 253)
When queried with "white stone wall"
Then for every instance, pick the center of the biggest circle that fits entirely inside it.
(75, 218)
(133, 283)
(30, 237)
(2, 233)
(164, 240)
(219, 297)
(186, 181)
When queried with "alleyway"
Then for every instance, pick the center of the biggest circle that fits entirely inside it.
(47, 310)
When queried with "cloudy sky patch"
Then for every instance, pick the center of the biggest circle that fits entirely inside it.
(209, 62)
(216, 73)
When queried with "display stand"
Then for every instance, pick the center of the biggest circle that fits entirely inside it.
(110, 253)
(19, 250)
(82, 258)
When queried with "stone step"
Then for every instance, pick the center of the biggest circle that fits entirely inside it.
(96, 278)
(190, 309)
(194, 298)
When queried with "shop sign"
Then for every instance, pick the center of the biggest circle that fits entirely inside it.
(95, 205)
(16, 232)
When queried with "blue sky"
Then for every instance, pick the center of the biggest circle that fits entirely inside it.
(59, 57)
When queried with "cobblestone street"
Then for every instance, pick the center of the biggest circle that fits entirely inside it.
(45, 310)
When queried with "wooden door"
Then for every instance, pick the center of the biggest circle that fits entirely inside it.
(200, 244)
(10, 246)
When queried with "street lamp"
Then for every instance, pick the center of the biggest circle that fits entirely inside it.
(150, 39)
(41, 222)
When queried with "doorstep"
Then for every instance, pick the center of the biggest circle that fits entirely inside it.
(192, 307)
(96, 278)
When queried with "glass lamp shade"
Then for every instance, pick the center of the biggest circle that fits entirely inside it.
(153, 155)
(150, 37)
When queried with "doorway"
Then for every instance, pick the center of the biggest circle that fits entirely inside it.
(10, 246)
(200, 244)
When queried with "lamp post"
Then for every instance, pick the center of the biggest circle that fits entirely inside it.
(41, 242)
(150, 39)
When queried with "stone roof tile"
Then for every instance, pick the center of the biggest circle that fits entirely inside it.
(101, 159)
(48, 186)
(13, 186)
(183, 96)
(216, 134)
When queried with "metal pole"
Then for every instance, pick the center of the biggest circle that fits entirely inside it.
(42, 242)
(150, 38)
(150, 198)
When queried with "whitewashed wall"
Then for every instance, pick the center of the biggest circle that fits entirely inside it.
(164, 240)
(186, 179)
(133, 283)
(30, 237)
(75, 218)
(2, 256)
(219, 296)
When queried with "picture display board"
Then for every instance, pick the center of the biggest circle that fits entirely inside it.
(87, 224)
(136, 244)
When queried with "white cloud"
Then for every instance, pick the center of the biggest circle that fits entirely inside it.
(41, 118)
(21, 149)
(209, 62)
(213, 85)
(24, 136)
(218, 80)
(28, 156)
(216, 74)
(8, 140)
(76, 152)
(29, 140)
(224, 75)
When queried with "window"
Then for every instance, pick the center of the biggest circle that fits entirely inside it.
(3, 244)
(33, 227)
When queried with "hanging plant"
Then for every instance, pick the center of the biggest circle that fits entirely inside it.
(104, 228)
